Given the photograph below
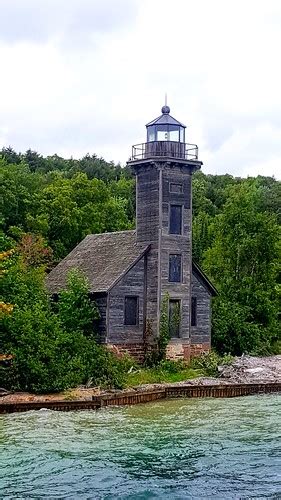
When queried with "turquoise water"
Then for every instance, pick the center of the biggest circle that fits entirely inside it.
(201, 448)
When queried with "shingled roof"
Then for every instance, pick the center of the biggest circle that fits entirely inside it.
(103, 258)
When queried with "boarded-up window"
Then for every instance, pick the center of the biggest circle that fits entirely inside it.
(176, 188)
(175, 272)
(131, 312)
(193, 311)
(175, 219)
(174, 317)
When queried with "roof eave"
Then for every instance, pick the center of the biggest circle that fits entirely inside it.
(204, 279)
(154, 122)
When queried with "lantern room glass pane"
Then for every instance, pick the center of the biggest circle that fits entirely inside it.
(174, 133)
(181, 134)
(162, 133)
(151, 134)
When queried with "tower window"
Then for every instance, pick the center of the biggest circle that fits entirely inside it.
(131, 312)
(175, 188)
(175, 268)
(175, 219)
(174, 317)
(193, 311)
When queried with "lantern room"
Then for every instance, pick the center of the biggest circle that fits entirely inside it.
(165, 138)
(165, 128)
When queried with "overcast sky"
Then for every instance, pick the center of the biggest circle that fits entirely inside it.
(82, 76)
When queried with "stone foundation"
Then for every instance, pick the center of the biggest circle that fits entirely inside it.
(181, 349)
(178, 350)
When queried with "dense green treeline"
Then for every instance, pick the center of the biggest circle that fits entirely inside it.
(236, 239)
(49, 204)
(67, 204)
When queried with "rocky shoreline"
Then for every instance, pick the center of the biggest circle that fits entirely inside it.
(242, 370)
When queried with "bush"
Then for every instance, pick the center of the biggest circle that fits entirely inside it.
(53, 348)
(234, 331)
(75, 309)
(209, 362)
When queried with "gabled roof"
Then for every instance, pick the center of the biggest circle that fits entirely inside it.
(199, 273)
(103, 258)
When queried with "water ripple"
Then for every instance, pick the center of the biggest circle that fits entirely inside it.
(204, 448)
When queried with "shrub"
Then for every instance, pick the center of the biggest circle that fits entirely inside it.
(209, 362)
(53, 350)
(75, 309)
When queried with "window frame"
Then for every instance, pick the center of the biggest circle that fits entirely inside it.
(193, 311)
(181, 225)
(179, 184)
(181, 268)
(137, 310)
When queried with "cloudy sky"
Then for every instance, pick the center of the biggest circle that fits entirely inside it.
(82, 76)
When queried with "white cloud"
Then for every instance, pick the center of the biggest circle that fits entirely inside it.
(85, 75)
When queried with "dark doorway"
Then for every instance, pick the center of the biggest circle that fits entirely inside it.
(174, 317)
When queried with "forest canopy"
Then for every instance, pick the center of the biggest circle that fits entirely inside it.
(49, 204)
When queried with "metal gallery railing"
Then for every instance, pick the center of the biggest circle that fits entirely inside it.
(166, 149)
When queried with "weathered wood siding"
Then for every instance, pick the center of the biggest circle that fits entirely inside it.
(131, 284)
(101, 301)
(174, 243)
(201, 333)
(147, 230)
(154, 198)
(147, 204)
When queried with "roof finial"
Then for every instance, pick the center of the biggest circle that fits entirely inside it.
(165, 109)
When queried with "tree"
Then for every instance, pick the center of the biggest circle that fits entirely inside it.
(243, 262)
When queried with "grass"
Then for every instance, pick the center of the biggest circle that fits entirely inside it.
(162, 374)
(166, 371)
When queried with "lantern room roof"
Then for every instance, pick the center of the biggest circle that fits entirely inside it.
(165, 119)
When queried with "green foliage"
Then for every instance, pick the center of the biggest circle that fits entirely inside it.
(174, 320)
(243, 263)
(77, 312)
(209, 362)
(63, 208)
(163, 372)
(52, 350)
(49, 204)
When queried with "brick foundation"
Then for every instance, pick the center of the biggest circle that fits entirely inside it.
(136, 351)
(176, 350)
(198, 349)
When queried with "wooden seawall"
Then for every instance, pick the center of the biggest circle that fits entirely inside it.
(137, 397)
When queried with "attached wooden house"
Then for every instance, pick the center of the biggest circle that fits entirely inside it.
(130, 272)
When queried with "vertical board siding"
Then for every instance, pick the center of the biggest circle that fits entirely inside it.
(201, 333)
(177, 244)
(148, 232)
(101, 301)
(132, 284)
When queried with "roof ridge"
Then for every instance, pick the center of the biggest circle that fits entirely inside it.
(111, 232)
